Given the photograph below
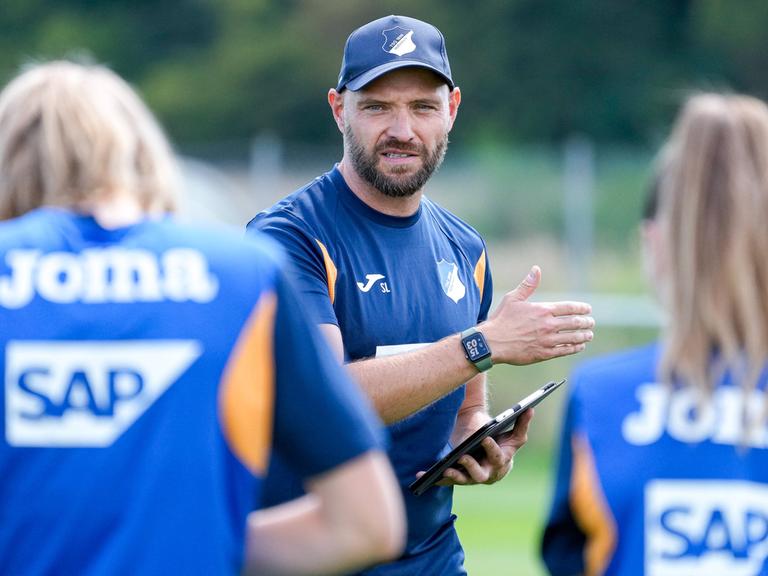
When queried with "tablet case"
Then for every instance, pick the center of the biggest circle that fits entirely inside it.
(496, 427)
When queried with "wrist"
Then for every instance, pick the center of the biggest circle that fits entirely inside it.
(468, 422)
(476, 349)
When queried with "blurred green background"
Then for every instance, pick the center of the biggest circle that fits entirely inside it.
(564, 106)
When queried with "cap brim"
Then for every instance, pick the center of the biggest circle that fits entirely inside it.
(371, 75)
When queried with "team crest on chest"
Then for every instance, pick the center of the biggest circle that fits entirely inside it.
(450, 281)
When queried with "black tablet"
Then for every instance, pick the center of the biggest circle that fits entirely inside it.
(499, 426)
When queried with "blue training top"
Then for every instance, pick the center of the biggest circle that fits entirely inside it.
(148, 370)
(649, 482)
(388, 281)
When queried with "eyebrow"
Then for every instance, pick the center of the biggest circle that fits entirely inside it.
(367, 100)
(429, 100)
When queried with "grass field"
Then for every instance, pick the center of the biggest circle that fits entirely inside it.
(500, 525)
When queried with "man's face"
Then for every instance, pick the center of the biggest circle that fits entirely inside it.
(396, 129)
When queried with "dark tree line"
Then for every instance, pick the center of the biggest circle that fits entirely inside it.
(530, 70)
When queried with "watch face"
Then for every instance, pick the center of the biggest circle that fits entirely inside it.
(476, 347)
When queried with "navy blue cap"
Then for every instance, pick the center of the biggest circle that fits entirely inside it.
(389, 43)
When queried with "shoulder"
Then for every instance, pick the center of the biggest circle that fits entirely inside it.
(630, 359)
(30, 230)
(305, 208)
(452, 223)
(223, 245)
(604, 375)
(239, 267)
(452, 226)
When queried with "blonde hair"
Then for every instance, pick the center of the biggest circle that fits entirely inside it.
(73, 134)
(713, 204)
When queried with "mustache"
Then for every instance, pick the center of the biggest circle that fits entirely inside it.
(404, 146)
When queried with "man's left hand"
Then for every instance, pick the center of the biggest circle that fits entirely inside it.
(498, 460)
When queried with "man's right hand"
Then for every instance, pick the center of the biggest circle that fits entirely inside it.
(521, 332)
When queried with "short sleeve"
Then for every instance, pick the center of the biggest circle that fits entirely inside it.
(308, 265)
(563, 542)
(322, 418)
(487, 296)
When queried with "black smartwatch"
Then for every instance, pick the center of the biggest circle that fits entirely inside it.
(476, 349)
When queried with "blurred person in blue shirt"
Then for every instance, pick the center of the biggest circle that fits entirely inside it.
(150, 368)
(663, 466)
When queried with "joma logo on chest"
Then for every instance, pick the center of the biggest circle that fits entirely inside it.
(371, 280)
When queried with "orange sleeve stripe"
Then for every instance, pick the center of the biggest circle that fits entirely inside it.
(480, 273)
(590, 510)
(246, 400)
(330, 271)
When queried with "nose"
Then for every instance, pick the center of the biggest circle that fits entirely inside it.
(401, 126)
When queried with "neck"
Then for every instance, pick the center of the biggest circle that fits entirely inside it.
(405, 206)
(115, 210)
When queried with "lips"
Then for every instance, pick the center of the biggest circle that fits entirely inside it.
(399, 159)
(398, 156)
(395, 149)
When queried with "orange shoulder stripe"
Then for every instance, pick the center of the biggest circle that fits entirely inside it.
(246, 397)
(480, 273)
(590, 510)
(330, 271)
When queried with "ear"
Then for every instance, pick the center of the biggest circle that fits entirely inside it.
(454, 99)
(336, 102)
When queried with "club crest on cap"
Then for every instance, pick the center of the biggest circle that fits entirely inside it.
(398, 41)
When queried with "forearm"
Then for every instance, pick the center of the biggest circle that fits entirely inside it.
(405, 383)
(351, 518)
(273, 533)
(294, 539)
(518, 332)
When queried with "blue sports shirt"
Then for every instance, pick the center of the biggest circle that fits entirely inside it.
(649, 482)
(148, 371)
(389, 283)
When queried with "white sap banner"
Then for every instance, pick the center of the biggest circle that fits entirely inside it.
(394, 349)
(705, 528)
(86, 393)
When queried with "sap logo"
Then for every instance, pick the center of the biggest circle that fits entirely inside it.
(705, 528)
(106, 275)
(725, 419)
(86, 393)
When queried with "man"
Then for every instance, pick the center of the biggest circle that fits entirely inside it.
(399, 285)
(149, 367)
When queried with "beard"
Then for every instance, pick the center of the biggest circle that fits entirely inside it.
(399, 184)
